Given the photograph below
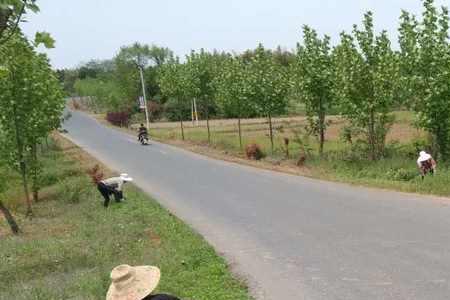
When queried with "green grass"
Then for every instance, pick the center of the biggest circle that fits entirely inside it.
(70, 246)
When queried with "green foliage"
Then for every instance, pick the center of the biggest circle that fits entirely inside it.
(232, 93)
(11, 14)
(366, 82)
(74, 190)
(313, 80)
(267, 83)
(176, 84)
(425, 53)
(105, 94)
(202, 68)
(45, 39)
(31, 104)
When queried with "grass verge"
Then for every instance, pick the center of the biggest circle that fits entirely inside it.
(70, 246)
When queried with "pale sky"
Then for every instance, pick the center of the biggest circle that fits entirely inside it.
(96, 29)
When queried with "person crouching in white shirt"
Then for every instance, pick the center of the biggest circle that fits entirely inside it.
(426, 164)
(113, 186)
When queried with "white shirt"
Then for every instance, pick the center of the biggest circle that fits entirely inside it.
(115, 182)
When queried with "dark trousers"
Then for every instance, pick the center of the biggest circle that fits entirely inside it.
(106, 191)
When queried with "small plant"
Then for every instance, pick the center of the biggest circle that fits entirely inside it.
(73, 190)
(96, 174)
(401, 174)
(254, 152)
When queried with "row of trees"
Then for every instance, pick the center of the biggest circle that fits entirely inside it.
(115, 84)
(362, 78)
(31, 100)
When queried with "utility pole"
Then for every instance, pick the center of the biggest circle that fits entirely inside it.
(141, 71)
(195, 112)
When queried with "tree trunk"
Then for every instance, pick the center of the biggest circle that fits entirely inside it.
(9, 217)
(240, 132)
(372, 139)
(23, 171)
(182, 128)
(322, 133)
(207, 126)
(271, 132)
(22, 163)
(322, 115)
(35, 185)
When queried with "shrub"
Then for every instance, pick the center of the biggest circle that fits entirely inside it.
(253, 151)
(121, 118)
(73, 190)
(401, 174)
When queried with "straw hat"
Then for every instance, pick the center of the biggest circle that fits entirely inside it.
(423, 156)
(125, 177)
(132, 283)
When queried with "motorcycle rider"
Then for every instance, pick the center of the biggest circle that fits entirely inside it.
(143, 133)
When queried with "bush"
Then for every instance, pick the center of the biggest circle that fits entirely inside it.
(401, 174)
(173, 108)
(73, 190)
(121, 118)
(253, 151)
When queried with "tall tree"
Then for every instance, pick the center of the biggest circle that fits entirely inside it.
(366, 82)
(314, 80)
(425, 61)
(269, 85)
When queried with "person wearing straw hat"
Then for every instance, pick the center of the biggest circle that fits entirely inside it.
(135, 283)
(113, 186)
(426, 164)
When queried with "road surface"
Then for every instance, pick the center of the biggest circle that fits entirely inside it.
(291, 237)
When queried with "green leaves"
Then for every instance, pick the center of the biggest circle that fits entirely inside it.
(367, 79)
(313, 79)
(425, 65)
(31, 101)
(45, 39)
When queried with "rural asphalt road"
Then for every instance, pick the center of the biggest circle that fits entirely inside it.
(291, 237)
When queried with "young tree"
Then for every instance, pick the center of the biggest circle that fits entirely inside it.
(313, 80)
(31, 102)
(234, 99)
(268, 85)
(201, 70)
(175, 83)
(46, 113)
(366, 82)
(425, 61)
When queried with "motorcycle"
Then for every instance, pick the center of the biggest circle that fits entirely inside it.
(143, 138)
